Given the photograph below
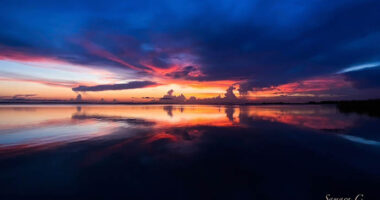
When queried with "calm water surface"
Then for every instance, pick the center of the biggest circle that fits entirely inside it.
(187, 152)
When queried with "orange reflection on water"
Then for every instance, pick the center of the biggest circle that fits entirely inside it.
(166, 115)
(160, 136)
(21, 116)
(32, 126)
(314, 117)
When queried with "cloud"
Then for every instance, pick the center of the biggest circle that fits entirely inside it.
(23, 96)
(124, 86)
(313, 84)
(6, 76)
(360, 67)
(229, 97)
(170, 98)
(188, 72)
(79, 97)
(265, 43)
(18, 97)
(230, 93)
(170, 93)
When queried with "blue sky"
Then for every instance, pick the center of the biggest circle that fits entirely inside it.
(255, 45)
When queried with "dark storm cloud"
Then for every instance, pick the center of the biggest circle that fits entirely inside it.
(264, 42)
(125, 86)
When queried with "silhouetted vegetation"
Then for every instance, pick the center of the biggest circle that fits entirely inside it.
(368, 107)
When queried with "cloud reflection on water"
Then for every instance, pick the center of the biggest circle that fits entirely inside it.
(229, 150)
(29, 126)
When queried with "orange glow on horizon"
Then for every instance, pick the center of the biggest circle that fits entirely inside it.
(50, 89)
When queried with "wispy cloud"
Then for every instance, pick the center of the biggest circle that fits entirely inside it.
(45, 81)
(123, 86)
(359, 67)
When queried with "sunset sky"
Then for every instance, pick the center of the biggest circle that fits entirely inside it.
(264, 50)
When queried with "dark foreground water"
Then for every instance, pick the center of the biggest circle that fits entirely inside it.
(187, 152)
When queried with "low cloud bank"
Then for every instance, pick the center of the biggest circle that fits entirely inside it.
(229, 97)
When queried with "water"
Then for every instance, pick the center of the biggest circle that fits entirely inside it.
(187, 152)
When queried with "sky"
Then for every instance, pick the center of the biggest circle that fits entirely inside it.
(257, 50)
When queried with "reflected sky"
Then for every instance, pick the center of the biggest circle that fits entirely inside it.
(139, 146)
(26, 126)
